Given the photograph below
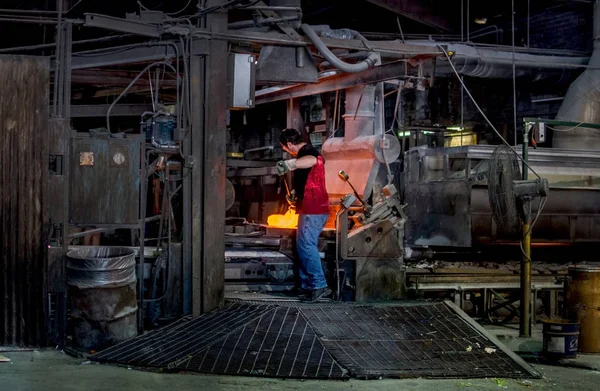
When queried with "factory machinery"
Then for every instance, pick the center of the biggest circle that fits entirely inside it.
(433, 233)
(362, 244)
(437, 235)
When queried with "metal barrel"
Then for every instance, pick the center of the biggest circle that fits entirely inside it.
(583, 305)
(102, 290)
(560, 338)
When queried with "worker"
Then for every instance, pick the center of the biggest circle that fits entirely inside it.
(312, 205)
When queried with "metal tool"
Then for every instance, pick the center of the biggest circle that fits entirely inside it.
(291, 195)
(344, 177)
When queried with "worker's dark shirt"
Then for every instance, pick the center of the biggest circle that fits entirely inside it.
(310, 185)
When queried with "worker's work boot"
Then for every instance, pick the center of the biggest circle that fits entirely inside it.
(318, 294)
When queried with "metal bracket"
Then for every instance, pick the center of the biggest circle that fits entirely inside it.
(189, 162)
(122, 25)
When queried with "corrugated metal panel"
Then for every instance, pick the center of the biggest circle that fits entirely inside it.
(24, 175)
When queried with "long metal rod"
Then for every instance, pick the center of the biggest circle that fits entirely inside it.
(100, 230)
(30, 21)
(528, 20)
(67, 71)
(36, 12)
(53, 45)
(468, 20)
(514, 72)
(525, 318)
(269, 8)
(462, 20)
(142, 230)
(57, 63)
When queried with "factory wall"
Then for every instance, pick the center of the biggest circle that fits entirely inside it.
(567, 26)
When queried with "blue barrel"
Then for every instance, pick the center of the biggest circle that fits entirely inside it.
(560, 338)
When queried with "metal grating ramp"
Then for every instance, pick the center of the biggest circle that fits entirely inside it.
(293, 340)
(432, 340)
(164, 347)
(280, 343)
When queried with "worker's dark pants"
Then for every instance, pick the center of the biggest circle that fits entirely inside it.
(310, 269)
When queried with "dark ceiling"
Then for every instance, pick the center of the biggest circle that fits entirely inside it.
(415, 16)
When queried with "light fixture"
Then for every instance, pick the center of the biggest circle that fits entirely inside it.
(455, 128)
(480, 20)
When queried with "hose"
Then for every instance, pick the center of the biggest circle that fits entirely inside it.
(369, 62)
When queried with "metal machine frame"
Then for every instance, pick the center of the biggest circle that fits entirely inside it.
(463, 218)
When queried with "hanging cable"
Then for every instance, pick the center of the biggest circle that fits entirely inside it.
(142, 6)
(482, 113)
(566, 130)
(124, 92)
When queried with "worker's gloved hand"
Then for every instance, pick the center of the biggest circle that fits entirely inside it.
(283, 166)
(291, 199)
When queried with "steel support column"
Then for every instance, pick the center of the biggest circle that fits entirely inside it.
(209, 106)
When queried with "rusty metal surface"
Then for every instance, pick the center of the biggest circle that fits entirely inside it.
(23, 197)
(574, 176)
(105, 180)
(438, 213)
(583, 305)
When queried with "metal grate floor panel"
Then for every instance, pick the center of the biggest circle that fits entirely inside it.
(280, 343)
(430, 340)
(164, 347)
(326, 340)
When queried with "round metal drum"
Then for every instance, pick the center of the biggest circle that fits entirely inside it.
(102, 291)
(583, 305)
(229, 194)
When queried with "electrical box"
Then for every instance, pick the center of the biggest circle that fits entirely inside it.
(241, 79)
(541, 132)
(105, 179)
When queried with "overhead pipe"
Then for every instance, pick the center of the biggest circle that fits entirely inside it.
(296, 8)
(271, 8)
(262, 22)
(369, 62)
(489, 63)
(23, 11)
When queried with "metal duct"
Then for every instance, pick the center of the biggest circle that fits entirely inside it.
(360, 151)
(489, 63)
(359, 119)
(582, 102)
(369, 62)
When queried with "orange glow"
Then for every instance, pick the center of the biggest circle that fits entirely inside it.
(288, 220)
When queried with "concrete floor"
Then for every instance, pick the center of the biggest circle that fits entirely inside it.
(50, 370)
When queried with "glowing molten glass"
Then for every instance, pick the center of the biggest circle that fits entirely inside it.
(288, 220)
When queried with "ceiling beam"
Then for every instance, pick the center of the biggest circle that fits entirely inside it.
(114, 78)
(120, 110)
(394, 70)
(415, 10)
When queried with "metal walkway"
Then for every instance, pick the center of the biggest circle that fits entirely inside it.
(325, 341)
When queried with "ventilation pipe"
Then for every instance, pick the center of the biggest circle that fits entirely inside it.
(582, 102)
(491, 63)
(369, 62)
(362, 150)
